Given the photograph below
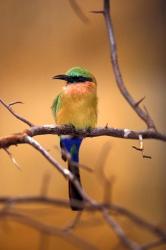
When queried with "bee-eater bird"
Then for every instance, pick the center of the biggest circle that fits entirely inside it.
(76, 105)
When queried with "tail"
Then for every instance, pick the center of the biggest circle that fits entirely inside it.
(71, 145)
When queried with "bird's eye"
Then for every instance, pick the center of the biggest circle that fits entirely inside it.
(74, 79)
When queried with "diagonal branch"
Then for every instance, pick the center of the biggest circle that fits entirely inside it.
(64, 171)
(117, 72)
(119, 231)
(9, 107)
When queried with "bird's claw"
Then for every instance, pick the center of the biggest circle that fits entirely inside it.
(89, 129)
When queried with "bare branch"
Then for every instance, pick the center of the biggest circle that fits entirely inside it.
(8, 107)
(19, 138)
(116, 68)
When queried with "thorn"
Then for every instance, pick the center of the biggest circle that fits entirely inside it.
(97, 11)
(145, 108)
(139, 101)
(106, 126)
(147, 156)
(136, 148)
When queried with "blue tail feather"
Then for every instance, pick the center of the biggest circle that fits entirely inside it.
(72, 146)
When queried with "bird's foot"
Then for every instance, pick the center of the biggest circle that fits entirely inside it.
(70, 126)
(89, 129)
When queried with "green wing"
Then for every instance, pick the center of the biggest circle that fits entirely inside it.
(56, 104)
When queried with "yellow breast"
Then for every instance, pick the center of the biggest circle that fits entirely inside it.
(78, 105)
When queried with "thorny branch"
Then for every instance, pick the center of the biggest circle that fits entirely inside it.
(143, 114)
(19, 138)
(107, 207)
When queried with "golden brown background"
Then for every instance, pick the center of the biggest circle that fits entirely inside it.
(42, 38)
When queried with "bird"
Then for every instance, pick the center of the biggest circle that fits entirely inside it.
(75, 105)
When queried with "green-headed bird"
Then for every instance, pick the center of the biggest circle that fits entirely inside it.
(76, 105)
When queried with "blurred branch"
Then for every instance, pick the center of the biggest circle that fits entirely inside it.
(9, 210)
(75, 6)
(119, 231)
(74, 222)
(47, 229)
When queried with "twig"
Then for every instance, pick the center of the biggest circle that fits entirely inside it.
(78, 11)
(141, 148)
(12, 158)
(14, 113)
(119, 231)
(74, 222)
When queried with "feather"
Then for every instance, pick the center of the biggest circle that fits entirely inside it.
(71, 146)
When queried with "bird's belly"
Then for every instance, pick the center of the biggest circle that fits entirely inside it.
(80, 111)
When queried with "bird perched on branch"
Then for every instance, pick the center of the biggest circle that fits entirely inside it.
(76, 105)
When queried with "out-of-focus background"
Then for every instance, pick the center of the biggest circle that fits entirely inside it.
(42, 38)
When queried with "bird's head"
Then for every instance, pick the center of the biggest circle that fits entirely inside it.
(75, 75)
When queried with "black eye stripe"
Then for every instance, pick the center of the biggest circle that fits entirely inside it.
(72, 79)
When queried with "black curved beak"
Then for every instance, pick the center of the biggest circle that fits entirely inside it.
(61, 77)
